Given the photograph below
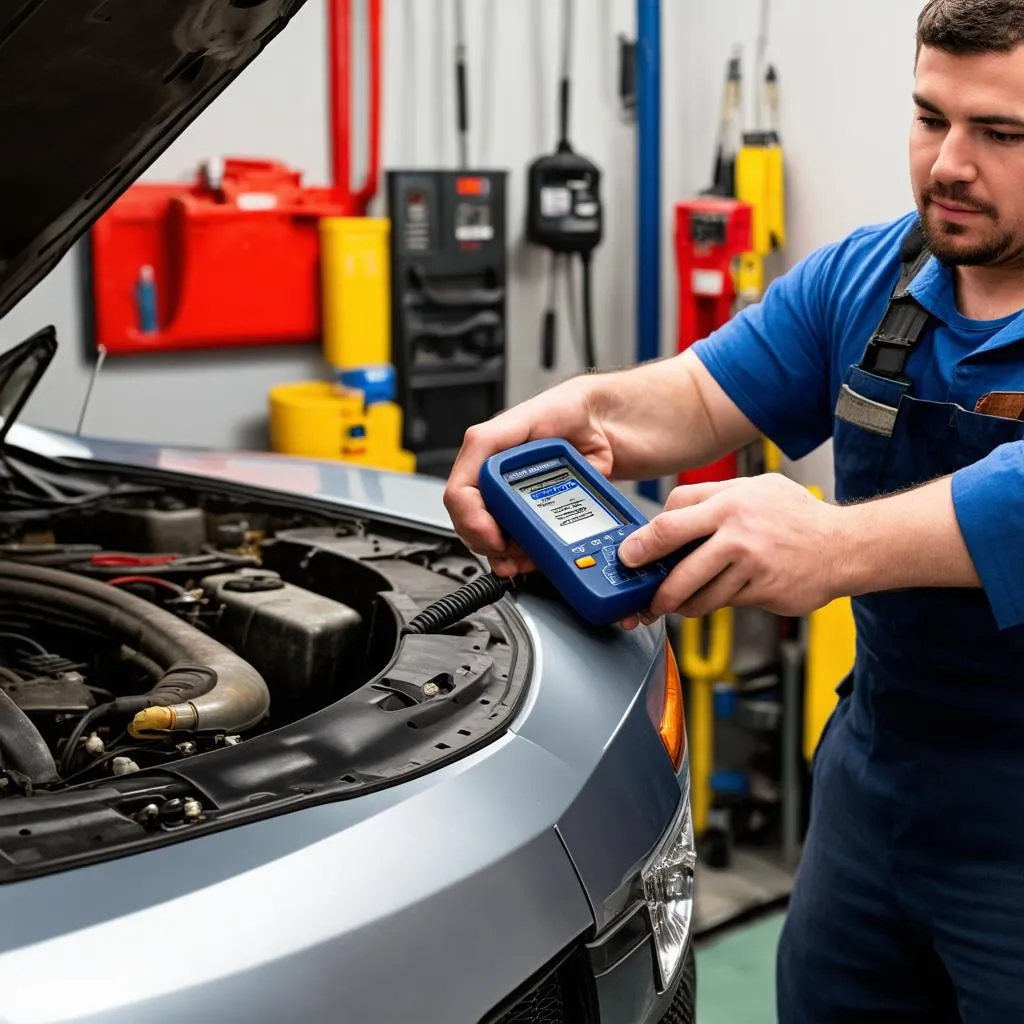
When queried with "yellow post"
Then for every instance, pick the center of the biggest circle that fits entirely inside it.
(831, 649)
(704, 671)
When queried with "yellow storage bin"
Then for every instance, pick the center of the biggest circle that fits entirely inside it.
(355, 285)
(322, 420)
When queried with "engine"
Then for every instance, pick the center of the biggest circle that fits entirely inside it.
(178, 656)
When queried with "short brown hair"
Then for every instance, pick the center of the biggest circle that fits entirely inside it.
(971, 26)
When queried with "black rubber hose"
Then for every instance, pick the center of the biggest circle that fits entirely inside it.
(206, 684)
(452, 608)
(22, 746)
(165, 642)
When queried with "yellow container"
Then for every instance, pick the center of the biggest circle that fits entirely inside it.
(320, 420)
(355, 291)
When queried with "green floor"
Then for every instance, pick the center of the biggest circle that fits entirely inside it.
(736, 975)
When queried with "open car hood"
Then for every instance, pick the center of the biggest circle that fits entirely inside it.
(20, 371)
(91, 92)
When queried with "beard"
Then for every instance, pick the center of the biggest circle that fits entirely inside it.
(1001, 248)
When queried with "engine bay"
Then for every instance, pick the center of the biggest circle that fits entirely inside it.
(180, 657)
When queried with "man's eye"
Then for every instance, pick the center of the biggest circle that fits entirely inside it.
(931, 123)
(1005, 138)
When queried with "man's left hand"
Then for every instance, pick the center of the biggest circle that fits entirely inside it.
(771, 544)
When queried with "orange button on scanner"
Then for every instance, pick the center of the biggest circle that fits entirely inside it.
(586, 562)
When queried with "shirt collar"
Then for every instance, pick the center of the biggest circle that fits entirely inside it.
(935, 288)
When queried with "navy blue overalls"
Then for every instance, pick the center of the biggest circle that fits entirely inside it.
(909, 901)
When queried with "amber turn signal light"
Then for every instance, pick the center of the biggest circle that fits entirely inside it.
(673, 719)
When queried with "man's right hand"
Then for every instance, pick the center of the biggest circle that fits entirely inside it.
(565, 411)
(635, 424)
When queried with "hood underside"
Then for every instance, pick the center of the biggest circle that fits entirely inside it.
(91, 92)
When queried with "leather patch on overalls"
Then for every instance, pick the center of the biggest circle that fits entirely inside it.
(1008, 405)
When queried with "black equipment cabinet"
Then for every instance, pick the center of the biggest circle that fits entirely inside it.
(448, 305)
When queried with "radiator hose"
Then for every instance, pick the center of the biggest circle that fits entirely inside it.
(205, 685)
(22, 746)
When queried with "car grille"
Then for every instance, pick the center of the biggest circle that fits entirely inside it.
(681, 1010)
(565, 995)
(544, 1005)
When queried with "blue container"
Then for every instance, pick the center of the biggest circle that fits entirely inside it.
(730, 784)
(377, 383)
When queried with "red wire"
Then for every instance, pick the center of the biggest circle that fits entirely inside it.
(111, 561)
(122, 580)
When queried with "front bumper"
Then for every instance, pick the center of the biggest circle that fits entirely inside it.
(639, 969)
(643, 962)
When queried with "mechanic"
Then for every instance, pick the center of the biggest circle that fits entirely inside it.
(904, 343)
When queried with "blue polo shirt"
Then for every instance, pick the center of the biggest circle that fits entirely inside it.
(783, 361)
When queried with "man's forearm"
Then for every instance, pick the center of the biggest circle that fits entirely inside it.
(666, 416)
(909, 539)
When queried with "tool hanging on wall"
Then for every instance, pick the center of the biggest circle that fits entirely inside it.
(462, 110)
(757, 171)
(723, 178)
(563, 211)
(760, 182)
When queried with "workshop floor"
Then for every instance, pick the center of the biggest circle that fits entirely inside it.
(736, 974)
(753, 882)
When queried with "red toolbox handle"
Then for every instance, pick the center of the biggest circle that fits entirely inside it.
(339, 14)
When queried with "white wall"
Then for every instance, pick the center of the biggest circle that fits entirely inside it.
(845, 77)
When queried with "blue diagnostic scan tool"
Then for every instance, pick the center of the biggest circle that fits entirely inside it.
(570, 520)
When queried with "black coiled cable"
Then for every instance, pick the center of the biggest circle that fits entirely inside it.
(454, 607)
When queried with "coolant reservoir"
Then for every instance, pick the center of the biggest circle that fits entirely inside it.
(295, 639)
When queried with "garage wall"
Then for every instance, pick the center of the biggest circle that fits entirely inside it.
(514, 57)
(844, 129)
(277, 108)
(846, 76)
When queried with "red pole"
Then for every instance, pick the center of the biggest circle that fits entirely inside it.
(339, 34)
(369, 189)
(339, 30)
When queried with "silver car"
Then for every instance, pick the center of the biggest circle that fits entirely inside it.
(233, 785)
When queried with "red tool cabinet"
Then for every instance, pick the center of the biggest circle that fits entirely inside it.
(231, 265)
(232, 258)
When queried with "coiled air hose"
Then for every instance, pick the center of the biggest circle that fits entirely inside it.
(452, 608)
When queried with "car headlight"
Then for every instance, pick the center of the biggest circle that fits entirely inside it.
(668, 891)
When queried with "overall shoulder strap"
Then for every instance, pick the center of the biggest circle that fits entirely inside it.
(905, 319)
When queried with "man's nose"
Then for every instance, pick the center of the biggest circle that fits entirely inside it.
(955, 161)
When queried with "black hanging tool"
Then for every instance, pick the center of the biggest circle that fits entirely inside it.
(563, 210)
(462, 110)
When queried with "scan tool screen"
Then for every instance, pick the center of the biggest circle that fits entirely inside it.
(565, 503)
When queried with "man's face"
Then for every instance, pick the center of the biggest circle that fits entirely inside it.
(967, 156)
